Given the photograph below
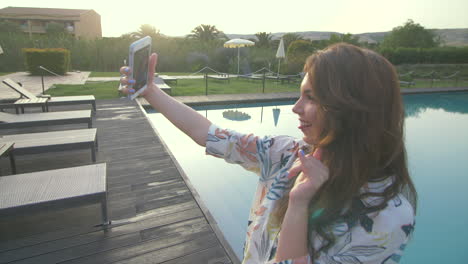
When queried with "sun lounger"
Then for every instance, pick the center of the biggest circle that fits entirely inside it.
(58, 100)
(8, 120)
(162, 85)
(6, 150)
(220, 77)
(407, 84)
(34, 143)
(167, 78)
(21, 103)
(28, 193)
(251, 77)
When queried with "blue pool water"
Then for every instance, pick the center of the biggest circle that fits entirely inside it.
(436, 136)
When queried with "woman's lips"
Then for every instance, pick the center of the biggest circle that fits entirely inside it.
(303, 125)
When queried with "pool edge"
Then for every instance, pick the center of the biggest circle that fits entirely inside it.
(202, 100)
(209, 217)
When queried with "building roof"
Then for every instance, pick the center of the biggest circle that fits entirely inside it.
(28, 11)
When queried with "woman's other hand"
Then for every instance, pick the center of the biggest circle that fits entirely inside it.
(126, 83)
(312, 173)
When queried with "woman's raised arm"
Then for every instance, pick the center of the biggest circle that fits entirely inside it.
(183, 117)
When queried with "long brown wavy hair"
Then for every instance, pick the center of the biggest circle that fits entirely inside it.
(361, 107)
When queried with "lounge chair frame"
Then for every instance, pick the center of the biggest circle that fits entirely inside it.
(29, 193)
(58, 100)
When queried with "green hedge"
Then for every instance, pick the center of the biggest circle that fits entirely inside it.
(56, 60)
(446, 55)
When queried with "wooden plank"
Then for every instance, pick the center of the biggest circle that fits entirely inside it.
(172, 252)
(162, 223)
(161, 239)
(153, 212)
(73, 231)
(210, 255)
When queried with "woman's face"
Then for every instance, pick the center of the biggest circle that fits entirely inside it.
(306, 108)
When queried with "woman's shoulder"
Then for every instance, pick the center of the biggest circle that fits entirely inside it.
(398, 212)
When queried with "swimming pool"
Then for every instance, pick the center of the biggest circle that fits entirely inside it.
(436, 136)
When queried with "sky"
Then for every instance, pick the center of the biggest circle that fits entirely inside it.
(179, 17)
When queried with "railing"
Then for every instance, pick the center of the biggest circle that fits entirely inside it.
(42, 76)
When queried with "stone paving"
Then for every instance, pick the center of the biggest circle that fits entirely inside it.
(34, 83)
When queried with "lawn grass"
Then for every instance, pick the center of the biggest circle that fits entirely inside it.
(235, 86)
(105, 74)
(108, 90)
(4, 73)
(190, 87)
(440, 69)
(425, 83)
(100, 90)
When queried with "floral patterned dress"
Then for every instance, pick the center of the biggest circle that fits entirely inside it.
(379, 237)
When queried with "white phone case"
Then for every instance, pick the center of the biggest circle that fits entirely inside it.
(141, 44)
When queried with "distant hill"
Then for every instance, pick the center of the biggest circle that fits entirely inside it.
(450, 37)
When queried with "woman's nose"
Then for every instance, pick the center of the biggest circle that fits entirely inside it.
(297, 108)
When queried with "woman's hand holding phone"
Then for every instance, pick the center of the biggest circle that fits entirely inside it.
(126, 82)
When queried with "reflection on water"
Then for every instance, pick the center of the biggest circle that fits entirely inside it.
(453, 102)
(437, 145)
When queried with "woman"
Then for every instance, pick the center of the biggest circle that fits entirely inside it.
(336, 195)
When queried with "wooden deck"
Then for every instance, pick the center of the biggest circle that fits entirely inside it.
(156, 217)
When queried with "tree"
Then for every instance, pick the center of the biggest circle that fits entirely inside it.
(288, 38)
(56, 29)
(10, 27)
(300, 48)
(348, 38)
(263, 39)
(146, 30)
(206, 33)
(410, 35)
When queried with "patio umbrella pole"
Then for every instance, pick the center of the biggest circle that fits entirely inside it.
(238, 58)
(206, 83)
(263, 82)
(279, 63)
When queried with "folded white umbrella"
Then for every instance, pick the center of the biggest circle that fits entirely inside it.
(280, 53)
(238, 43)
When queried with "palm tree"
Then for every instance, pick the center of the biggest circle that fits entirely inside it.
(206, 33)
(146, 30)
(264, 39)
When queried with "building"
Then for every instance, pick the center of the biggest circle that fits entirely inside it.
(82, 23)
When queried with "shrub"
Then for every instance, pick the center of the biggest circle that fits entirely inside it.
(447, 55)
(56, 60)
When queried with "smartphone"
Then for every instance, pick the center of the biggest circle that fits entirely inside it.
(138, 57)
